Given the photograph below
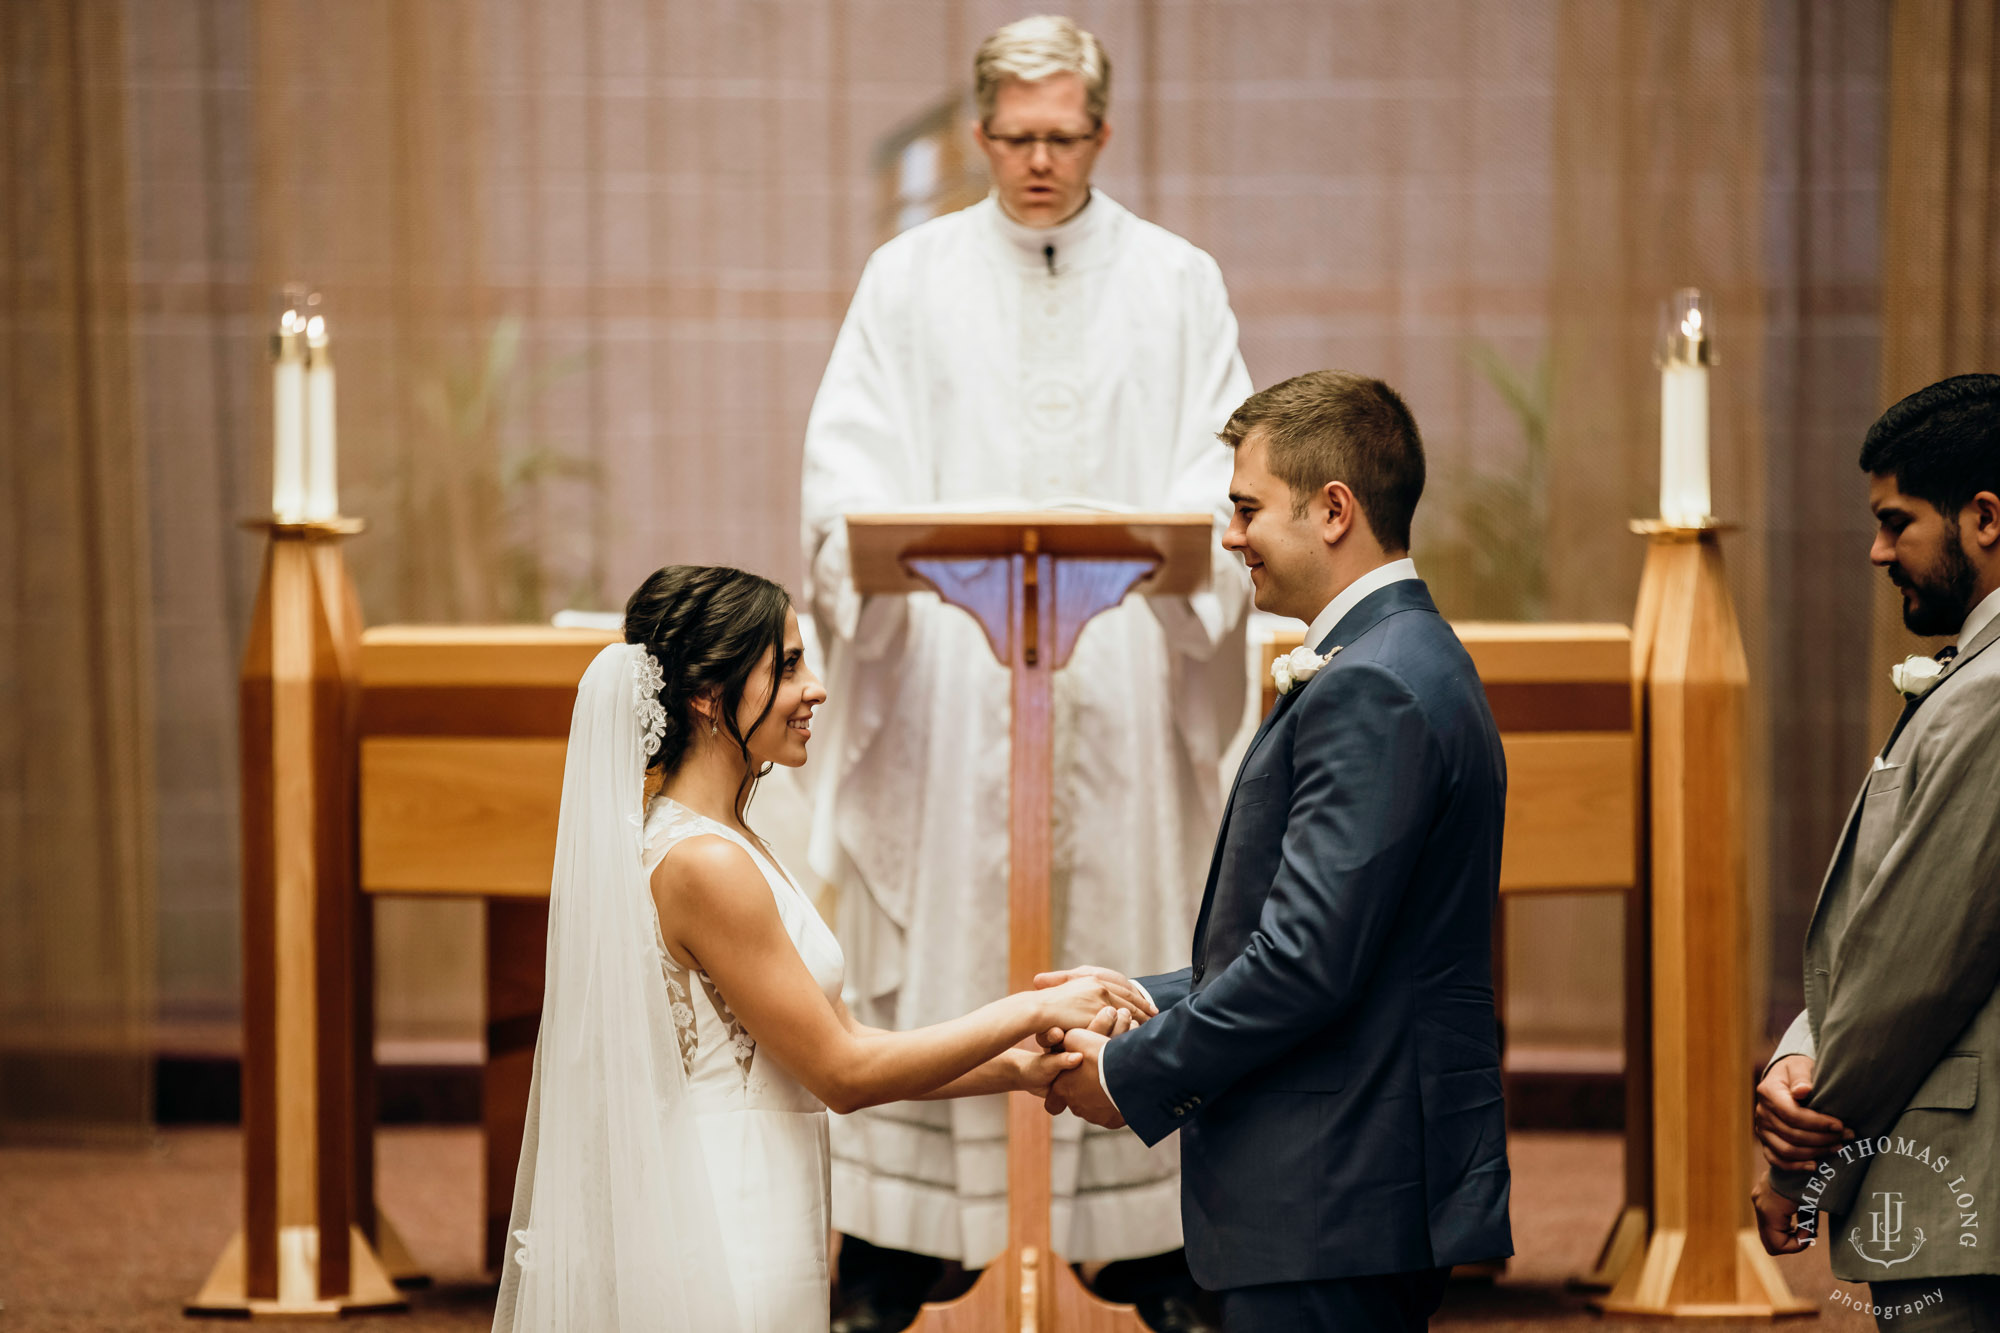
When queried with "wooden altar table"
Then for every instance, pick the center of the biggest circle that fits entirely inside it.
(463, 730)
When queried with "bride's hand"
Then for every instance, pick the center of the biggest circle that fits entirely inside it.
(1077, 1003)
(1128, 993)
(1036, 1071)
(1108, 1023)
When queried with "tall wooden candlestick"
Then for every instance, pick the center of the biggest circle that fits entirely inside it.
(1702, 1259)
(308, 1200)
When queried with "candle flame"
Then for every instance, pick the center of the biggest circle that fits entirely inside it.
(289, 322)
(1691, 323)
(316, 330)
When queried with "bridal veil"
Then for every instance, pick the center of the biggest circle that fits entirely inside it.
(614, 1223)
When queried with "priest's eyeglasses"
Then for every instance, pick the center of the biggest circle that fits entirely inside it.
(1060, 146)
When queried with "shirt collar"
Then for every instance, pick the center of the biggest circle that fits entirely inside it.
(1350, 597)
(1075, 239)
(1976, 620)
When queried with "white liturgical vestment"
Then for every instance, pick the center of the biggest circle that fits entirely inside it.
(986, 366)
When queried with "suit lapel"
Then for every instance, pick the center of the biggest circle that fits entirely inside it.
(1988, 634)
(1370, 611)
(1229, 809)
(1376, 607)
(1981, 641)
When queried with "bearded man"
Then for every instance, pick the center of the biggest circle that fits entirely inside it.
(1871, 1114)
(1042, 348)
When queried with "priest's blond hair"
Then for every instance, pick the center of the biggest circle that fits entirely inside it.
(1032, 49)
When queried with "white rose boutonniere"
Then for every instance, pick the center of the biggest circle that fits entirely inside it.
(1297, 667)
(1914, 676)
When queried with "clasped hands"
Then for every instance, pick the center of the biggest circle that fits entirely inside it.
(1793, 1137)
(1076, 1084)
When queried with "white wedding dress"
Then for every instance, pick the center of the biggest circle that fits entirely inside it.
(763, 1135)
(673, 1178)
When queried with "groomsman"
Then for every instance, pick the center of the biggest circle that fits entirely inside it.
(1879, 1135)
(1331, 1057)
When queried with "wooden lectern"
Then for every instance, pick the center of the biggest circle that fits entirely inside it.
(1032, 581)
(1702, 1259)
(309, 1238)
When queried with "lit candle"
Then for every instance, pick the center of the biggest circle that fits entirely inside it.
(322, 501)
(288, 400)
(1686, 352)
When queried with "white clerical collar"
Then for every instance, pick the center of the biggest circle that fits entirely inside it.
(1073, 238)
(1977, 618)
(1350, 597)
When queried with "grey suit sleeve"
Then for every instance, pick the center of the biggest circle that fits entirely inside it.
(1798, 1040)
(1921, 951)
(1366, 773)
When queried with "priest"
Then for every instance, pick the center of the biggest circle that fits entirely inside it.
(1043, 348)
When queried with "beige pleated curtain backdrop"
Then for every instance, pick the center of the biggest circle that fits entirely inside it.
(584, 260)
(1659, 184)
(76, 745)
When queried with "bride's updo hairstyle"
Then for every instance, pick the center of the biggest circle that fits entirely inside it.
(708, 626)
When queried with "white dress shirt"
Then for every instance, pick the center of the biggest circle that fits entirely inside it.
(1350, 597)
(1975, 619)
(1336, 610)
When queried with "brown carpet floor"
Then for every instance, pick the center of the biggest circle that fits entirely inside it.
(116, 1239)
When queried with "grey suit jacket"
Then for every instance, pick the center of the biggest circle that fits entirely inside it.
(1902, 960)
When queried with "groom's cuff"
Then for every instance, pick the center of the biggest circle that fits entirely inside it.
(1103, 1078)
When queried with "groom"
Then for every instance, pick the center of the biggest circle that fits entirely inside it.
(1331, 1054)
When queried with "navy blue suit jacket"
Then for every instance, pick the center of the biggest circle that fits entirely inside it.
(1331, 1057)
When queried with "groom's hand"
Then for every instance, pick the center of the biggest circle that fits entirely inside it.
(1081, 1090)
(1128, 993)
(1108, 1023)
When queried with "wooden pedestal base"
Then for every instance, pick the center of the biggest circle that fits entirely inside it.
(397, 1261)
(1622, 1248)
(1029, 1283)
(1040, 1281)
(1661, 1285)
(225, 1293)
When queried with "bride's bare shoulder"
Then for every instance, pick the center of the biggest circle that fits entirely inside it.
(709, 868)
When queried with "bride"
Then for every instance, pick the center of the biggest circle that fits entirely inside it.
(674, 1172)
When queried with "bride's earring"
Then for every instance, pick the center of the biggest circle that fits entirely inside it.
(711, 726)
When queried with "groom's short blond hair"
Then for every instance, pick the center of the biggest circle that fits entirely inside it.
(1038, 48)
